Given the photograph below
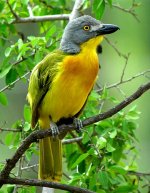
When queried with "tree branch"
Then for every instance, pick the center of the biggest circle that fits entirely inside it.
(142, 89)
(42, 18)
(42, 183)
(75, 13)
(76, 9)
(10, 163)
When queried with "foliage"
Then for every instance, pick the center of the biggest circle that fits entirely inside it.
(103, 160)
(103, 163)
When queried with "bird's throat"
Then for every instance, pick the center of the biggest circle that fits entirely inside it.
(91, 44)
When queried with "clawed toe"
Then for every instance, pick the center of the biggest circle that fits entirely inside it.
(78, 124)
(54, 129)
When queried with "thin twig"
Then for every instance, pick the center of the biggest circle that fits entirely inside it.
(29, 167)
(121, 91)
(12, 130)
(64, 174)
(124, 68)
(125, 81)
(73, 140)
(14, 82)
(116, 49)
(130, 10)
(12, 11)
(139, 173)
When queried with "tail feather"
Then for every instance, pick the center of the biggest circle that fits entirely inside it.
(50, 161)
(56, 145)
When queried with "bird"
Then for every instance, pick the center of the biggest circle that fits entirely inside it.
(60, 84)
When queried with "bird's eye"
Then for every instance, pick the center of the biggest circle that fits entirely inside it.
(86, 27)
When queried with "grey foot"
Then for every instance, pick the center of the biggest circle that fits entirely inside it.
(78, 124)
(54, 128)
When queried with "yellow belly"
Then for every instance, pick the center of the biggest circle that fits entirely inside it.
(71, 87)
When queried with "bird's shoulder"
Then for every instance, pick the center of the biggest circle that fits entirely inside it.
(45, 70)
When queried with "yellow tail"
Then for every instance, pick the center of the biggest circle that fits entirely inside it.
(50, 159)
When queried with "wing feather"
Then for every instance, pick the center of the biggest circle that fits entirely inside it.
(40, 81)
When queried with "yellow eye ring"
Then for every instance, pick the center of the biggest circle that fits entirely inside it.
(86, 27)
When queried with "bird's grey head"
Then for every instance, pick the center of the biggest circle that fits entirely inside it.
(81, 30)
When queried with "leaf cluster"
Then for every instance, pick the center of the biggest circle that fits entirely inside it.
(102, 161)
(108, 153)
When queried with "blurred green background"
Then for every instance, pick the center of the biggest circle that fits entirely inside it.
(133, 38)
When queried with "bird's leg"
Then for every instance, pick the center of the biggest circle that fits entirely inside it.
(78, 124)
(54, 128)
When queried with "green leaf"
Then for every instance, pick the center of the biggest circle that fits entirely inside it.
(3, 99)
(103, 178)
(117, 154)
(80, 159)
(101, 143)
(92, 182)
(4, 71)
(113, 133)
(110, 2)
(98, 8)
(124, 189)
(94, 96)
(86, 138)
(27, 113)
(118, 169)
(100, 191)
(25, 2)
(50, 32)
(11, 76)
(8, 51)
(10, 188)
(27, 126)
(8, 138)
(133, 115)
(28, 155)
(110, 148)
(2, 4)
(17, 139)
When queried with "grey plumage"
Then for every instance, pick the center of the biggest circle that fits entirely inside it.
(75, 34)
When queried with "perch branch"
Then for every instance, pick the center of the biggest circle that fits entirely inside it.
(10, 163)
(41, 183)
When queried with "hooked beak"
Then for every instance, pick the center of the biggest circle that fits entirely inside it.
(107, 29)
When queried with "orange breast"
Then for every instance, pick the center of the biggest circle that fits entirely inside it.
(71, 86)
(84, 67)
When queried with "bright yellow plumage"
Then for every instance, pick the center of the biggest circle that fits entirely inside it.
(60, 84)
(65, 97)
(72, 84)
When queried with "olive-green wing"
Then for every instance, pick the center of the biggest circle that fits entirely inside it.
(40, 81)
